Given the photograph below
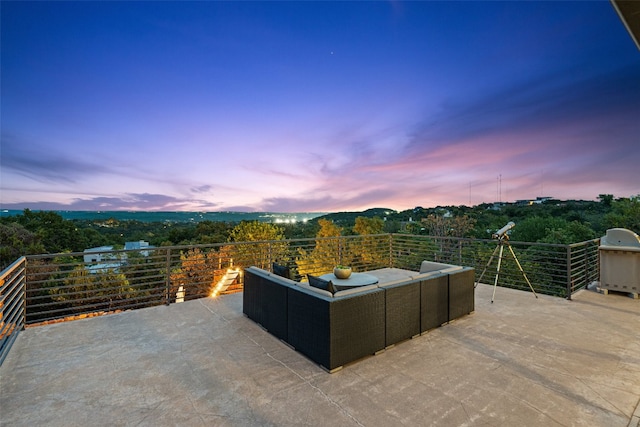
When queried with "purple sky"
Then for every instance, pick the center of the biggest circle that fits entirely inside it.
(314, 106)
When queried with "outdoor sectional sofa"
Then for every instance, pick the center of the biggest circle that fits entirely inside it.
(336, 329)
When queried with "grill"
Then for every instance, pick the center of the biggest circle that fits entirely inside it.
(620, 262)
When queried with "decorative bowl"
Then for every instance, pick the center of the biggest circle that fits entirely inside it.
(342, 272)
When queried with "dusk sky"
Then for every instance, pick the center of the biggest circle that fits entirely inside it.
(314, 106)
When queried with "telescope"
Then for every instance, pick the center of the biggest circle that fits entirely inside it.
(501, 233)
(503, 240)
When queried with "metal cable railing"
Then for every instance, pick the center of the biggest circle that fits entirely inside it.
(545, 265)
(12, 304)
(583, 265)
(55, 287)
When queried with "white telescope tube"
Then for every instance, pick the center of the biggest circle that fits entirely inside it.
(498, 234)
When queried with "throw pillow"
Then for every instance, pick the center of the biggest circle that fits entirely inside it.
(281, 270)
(326, 285)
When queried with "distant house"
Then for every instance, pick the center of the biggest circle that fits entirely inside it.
(98, 254)
(101, 259)
(529, 202)
(539, 200)
(105, 267)
(141, 244)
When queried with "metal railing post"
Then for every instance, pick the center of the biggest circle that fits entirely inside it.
(168, 278)
(569, 272)
(598, 261)
(24, 296)
(584, 265)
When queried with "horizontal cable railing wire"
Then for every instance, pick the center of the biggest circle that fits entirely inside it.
(71, 285)
(545, 265)
(584, 264)
(12, 304)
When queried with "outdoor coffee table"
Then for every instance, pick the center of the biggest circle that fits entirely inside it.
(355, 280)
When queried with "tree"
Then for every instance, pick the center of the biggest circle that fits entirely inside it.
(441, 226)
(366, 225)
(197, 273)
(370, 250)
(212, 232)
(606, 199)
(536, 228)
(181, 235)
(625, 213)
(392, 226)
(415, 228)
(147, 274)
(16, 241)
(271, 246)
(572, 232)
(448, 226)
(328, 229)
(93, 291)
(54, 232)
(326, 252)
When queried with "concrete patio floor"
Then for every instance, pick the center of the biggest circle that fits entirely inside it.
(516, 362)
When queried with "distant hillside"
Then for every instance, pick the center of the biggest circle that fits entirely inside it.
(177, 217)
(349, 218)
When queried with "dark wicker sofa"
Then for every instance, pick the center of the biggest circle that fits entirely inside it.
(337, 329)
(265, 300)
(332, 330)
(416, 302)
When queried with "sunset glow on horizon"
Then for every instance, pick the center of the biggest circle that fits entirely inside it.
(314, 106)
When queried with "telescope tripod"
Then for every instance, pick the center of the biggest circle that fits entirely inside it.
(502, 242)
